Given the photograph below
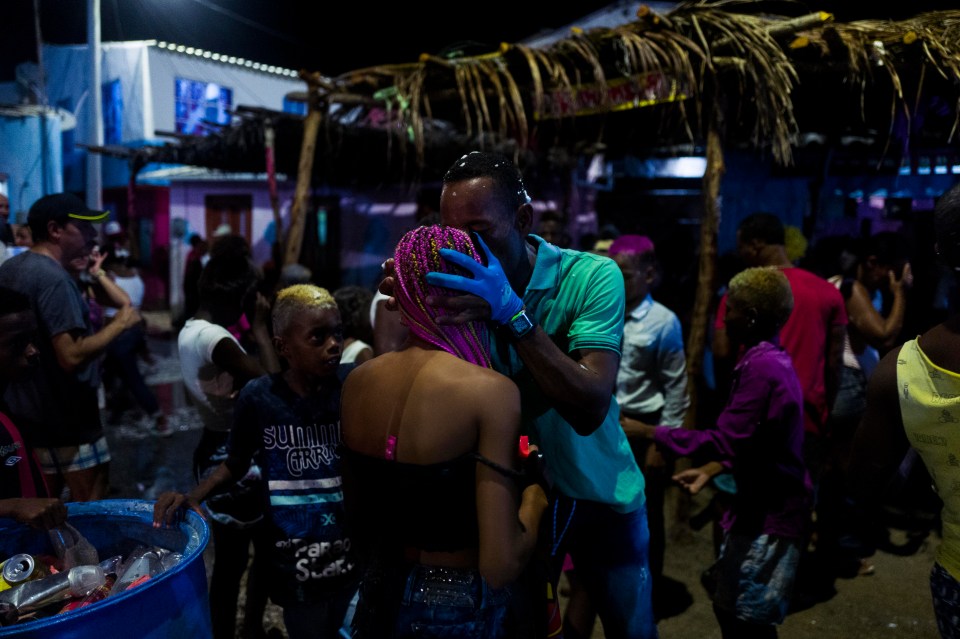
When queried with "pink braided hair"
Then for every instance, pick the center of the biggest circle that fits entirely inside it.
(417, 253)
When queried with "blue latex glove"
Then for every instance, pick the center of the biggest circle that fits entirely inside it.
(489, 282)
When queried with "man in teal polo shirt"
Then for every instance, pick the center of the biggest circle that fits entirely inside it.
(558, 319)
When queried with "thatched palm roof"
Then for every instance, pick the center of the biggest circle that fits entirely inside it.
(699, 54)
(770, 76)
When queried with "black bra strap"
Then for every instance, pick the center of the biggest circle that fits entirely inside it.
(503, 470)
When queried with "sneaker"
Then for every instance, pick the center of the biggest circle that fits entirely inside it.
(162, 427)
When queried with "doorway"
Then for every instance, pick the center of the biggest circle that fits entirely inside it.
(235, 211)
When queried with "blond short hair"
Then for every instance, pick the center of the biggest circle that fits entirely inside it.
(298, 298)
(766, 289)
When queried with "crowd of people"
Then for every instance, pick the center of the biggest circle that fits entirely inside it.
(428, 459)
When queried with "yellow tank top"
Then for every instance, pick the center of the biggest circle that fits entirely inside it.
(930, 406)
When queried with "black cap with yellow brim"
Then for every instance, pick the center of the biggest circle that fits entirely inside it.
(62, 208)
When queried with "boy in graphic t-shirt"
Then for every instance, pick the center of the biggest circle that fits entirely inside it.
(289, 423)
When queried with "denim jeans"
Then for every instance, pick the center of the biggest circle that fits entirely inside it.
(446, 602)
(754, 575)
(851, 399)
(610, 554)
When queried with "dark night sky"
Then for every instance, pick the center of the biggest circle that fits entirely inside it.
(333, 37)
(330, 37)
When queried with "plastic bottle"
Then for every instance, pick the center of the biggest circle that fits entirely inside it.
(98, 594)
(79, 581)
(169, 559)
(72, 547)
(142, 564)
(111, 565)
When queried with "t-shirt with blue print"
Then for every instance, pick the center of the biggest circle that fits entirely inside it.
(294, 440)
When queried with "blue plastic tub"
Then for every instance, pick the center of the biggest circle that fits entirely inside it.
(173, 604)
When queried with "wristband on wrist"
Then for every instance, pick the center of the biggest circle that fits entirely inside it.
(100, 273)
(520, 325)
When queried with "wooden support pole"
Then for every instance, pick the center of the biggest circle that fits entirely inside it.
(301, 198)
(269, 144)
(706, 277)
(706, 285)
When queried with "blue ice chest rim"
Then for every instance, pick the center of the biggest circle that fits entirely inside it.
(192, 529)
(194, 526)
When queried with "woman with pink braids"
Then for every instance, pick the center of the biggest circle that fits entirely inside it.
(441, 517)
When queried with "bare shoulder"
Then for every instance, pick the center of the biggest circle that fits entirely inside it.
(883, 381)
(941, 344)
(458, 372)
(480, 391)
(369, 368)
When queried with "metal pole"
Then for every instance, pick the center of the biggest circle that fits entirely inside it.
(44, 179)
(95, 116)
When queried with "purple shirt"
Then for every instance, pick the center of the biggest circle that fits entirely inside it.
(759, 436)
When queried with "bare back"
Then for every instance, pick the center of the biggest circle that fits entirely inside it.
(436, 404)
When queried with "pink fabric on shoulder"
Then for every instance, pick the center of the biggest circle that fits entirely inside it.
(241, 328)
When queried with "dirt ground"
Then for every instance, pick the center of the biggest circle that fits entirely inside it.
(892, 603)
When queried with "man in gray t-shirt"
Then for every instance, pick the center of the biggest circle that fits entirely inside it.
(56, 407)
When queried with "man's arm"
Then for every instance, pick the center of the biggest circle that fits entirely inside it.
(240, 447)
(745, 412)
(878, 331)
(693, 480)
(880, 441)
(580, 385)
(37, 512)
(228, 355)
(107, 291)
(73, 350)
(168, 503)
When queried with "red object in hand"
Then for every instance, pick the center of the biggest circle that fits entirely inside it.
(524, 446)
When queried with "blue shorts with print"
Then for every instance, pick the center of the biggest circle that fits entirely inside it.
(754, 576)
(429, 602)
(448, 602)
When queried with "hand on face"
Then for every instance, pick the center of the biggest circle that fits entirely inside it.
(95, 260)
(904, 282)
(77, 239)
(489, 283)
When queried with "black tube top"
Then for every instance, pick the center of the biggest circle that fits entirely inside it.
(428, 507)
